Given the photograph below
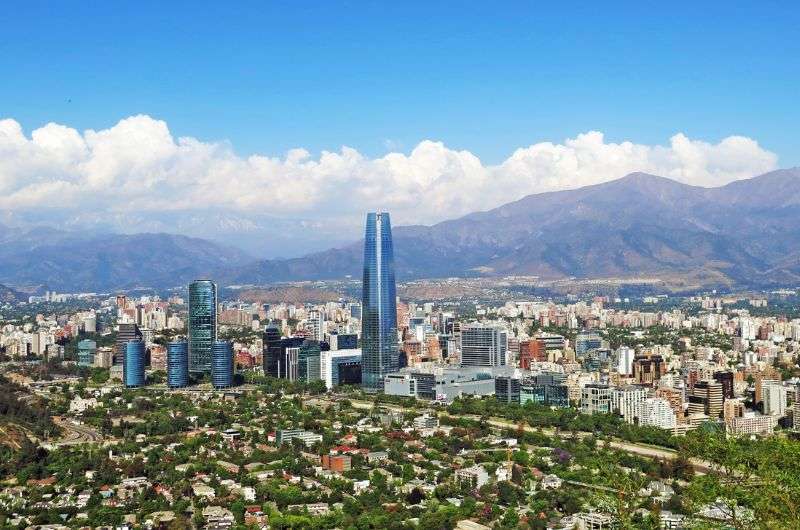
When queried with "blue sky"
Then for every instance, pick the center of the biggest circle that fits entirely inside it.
(487, 77)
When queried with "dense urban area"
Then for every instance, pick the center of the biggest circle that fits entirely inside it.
(642, 413)
(205, 407)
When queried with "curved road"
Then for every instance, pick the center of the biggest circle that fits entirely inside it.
(75, 434)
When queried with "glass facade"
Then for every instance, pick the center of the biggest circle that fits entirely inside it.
(310, 349)
(587, 341)
(202, 324)
(271, 350)
(346, 370)
(378, 304)
(178, 364)
(86, 352)
(125, 332)
(133, 364)
(222, 364)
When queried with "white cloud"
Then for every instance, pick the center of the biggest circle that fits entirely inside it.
(137, 165)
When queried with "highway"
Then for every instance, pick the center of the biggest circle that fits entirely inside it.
(75, 434)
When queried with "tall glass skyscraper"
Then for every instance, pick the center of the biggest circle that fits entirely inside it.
(202, 324)
(222, 364)
(178, 364)
(378, 304)
(133, 364)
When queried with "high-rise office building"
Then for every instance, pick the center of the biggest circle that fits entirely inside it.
(202, 324)
(126, 332)
(595, 398)
(774, 399)
(315, 324)
(507, 389)
(648, 369)
(133, 364)
(726, 380)
(178, 364)
(308, 354)
(706, 398)
(86, 352)
(379, 304)
(546, 388)
(340, 367)
(222, 364)
(483, 345)
(343, 341)
(625, 357)
(271, 339)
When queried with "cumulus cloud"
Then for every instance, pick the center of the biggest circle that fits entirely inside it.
(137, 165)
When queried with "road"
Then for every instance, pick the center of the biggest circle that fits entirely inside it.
(75, 434)
(647, 451)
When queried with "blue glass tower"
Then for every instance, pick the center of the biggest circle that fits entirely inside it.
(202, 324)
(178, 364)
(378, 304)
(133, 364)
(222, 364)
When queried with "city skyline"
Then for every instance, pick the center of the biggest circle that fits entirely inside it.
(418, 265)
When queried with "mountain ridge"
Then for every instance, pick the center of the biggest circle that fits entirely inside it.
(744, 233)
(71, 261)
(647, 224)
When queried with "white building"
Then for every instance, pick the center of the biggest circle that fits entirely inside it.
(474, 476)
(656, 412)
(595, 398)
(625, 400)
(751, 424)
(625, 360)
(796, 409)
(79, 405)
(426, 421)
(773, 393)
(315, 324)
(329, 364)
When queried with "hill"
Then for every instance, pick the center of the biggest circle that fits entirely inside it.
(9, 295)
(70, 261)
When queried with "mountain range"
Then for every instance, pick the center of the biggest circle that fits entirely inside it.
(35, 259)
(746, 233)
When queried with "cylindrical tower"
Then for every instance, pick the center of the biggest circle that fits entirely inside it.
(222, 364)
(178, 364)
(133, 364)
(202, 324)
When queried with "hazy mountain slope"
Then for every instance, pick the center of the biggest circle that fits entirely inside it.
(747, 232)
(67, 261)
(640, 224)
(9, 295)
